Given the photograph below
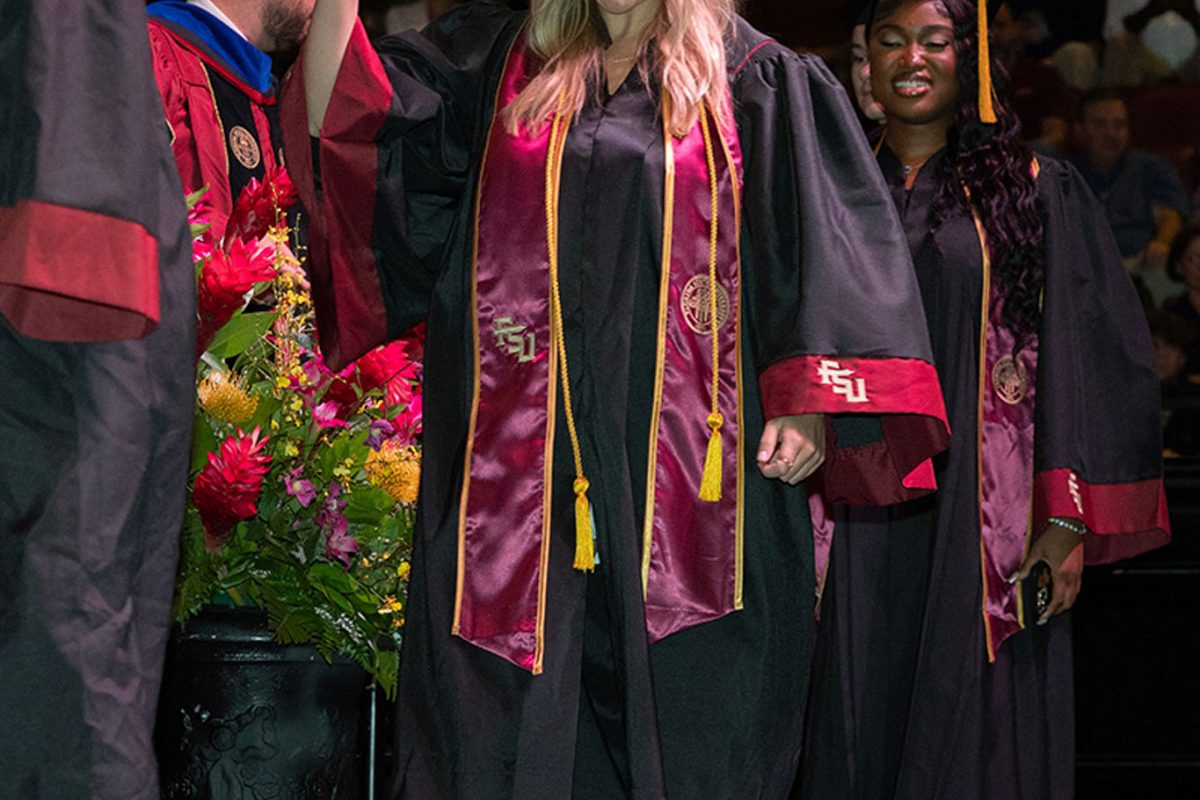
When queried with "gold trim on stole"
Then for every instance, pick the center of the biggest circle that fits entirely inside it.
(660, 355)
(668, 222)
(985, 304)
(739, 536)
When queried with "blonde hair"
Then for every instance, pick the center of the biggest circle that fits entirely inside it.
(688, 59)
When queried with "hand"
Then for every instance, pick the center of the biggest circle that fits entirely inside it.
(792, 448)
(1062, 550)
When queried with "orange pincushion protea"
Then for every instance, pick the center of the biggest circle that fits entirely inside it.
(224, 398)
(395, 468)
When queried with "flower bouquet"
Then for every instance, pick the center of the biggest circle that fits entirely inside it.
(303, 480)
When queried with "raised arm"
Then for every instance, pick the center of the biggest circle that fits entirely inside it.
(332, 24)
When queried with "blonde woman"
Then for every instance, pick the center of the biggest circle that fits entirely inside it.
(654, 257)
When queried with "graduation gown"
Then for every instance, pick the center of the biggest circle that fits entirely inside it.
(715, 710)
(97, 315)
(218, 96)
(905, 703)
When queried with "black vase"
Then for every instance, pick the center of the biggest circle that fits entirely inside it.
(242, 717)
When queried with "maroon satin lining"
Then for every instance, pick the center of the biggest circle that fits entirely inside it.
(503, 534)
(1006, 484)
(503, 514)
(692, 574)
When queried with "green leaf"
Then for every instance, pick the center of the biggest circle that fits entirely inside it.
(240, 333)
(204, 441)
(329, 576)
(387, 669)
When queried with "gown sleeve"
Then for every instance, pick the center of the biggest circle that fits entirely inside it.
(384, 182)
(1098, 448)
(834, 310)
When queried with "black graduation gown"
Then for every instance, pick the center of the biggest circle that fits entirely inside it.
(712, 712)
(94, 427)
(904, 702)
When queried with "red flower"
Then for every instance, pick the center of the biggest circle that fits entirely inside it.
(255, 209)
(226, 491)
(224, 281)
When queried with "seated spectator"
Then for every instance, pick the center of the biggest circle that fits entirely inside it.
(1175, 341)
(1142, 194)
(1129, 61)
(1183, 266)
(1041, 99)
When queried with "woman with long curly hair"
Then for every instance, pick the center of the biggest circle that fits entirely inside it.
(653, 253)
(944, 654)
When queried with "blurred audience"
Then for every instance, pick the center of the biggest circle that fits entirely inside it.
(1143, 197)
(1149, 43)
(1183, 266)
(1175, 344)
(1042, 100)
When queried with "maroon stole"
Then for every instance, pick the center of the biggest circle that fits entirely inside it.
(1005, 451)
(692, 555)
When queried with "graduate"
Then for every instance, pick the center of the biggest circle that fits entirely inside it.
(655, 255)
(97, 328)
(944, 658)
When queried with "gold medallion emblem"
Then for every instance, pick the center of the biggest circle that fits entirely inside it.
(1010, 379)
(244, 147)
(696, 306)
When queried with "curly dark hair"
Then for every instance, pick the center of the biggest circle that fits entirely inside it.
(994, 165)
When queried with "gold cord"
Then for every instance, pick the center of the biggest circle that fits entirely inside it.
(585, 556)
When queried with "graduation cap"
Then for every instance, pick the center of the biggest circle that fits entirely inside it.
(986, 12)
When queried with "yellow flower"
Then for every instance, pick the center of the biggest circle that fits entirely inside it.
(282, 382)
(396, 469)
(404, 570)
(225, 399)
(390, 605)
(290, 450)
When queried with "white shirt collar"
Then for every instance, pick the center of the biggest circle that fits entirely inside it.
(211, 8)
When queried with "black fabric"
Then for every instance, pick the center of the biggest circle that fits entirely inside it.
(716, 711)
(96, 436)
(904, 703)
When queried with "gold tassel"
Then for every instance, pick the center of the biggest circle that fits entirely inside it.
(710, 483)
(585, 553)
(987, 111)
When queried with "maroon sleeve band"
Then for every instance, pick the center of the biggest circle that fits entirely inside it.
(351, 318)
(905, 391)
(1123, 519)
(69, 275)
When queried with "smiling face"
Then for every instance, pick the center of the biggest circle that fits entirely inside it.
(913, 65)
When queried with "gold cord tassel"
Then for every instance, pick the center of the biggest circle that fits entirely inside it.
(711, 479)
(585, 552)
(710, 482)
(585, 543)
(987, 111)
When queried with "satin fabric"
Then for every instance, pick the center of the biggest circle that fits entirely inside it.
(1005, 478)
(713, 711)
(905, 701)
(94, 434)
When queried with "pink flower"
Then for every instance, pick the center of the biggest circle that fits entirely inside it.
(326, 416)
(297, 487)
(256, 206)
(224, 281)
(339, 544)
(227, 490)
